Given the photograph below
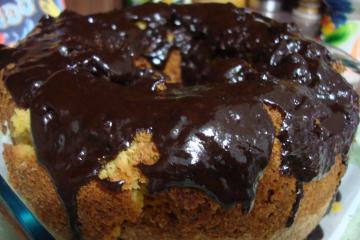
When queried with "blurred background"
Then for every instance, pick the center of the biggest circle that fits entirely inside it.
(334, 21)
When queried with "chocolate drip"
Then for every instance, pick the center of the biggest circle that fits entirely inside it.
(338, 196)
(88, 99)
(299, 191)
(6, 53)
(112, 186)
(316, 234)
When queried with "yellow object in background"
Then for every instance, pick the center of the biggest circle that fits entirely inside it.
(49, 7)
(328, 26)
(355, 51)
(336, 207)
(238, 3)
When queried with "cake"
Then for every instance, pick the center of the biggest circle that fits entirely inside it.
(201, 121)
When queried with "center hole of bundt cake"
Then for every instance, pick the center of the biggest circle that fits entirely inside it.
(184, 58)
(219, 70)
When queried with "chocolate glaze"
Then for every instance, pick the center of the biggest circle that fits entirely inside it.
(299, 195)
(338, 196)
(316, 234)
(88, 99)
(6, 53)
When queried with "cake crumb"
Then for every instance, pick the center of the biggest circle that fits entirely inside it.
(20, 123)
(141, 25)
(339, 67)
(124, 166)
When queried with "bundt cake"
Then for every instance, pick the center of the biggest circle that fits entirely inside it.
(200, 121)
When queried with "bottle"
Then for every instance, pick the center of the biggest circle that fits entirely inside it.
(265, 6)
(271, 8)
(307, 17)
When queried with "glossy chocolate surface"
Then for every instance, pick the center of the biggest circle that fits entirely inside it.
(299, 195)
(316, 234)
(88, 99)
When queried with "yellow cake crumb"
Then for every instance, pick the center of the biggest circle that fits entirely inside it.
(20, 122)
(24, 151)
(173, 67)
(141, 25)
(339, 67)
(124, 166)
(170, 37)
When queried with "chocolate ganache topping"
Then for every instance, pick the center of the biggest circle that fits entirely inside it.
(88, 99)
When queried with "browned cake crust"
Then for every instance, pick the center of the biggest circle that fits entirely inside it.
(6, 104)
(180, 213)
